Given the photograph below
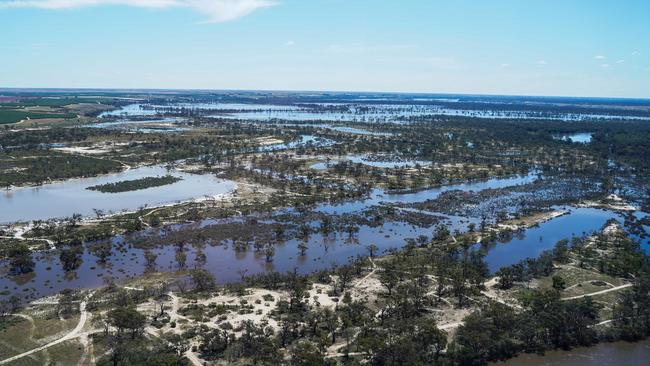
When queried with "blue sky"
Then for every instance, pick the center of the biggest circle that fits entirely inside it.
(533, 47)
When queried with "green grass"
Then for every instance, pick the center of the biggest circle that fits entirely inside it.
(100, 344)
(574, 275)
(51, 325)
(66, 353)
(15, 336)
(13, 116)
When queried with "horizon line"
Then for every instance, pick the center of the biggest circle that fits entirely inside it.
(145, 89)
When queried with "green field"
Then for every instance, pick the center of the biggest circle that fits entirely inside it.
(50, 102)
(13, 116)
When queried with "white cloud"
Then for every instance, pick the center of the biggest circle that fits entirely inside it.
(505, 65)
(604, 66)
(541, 62)
(634, 53)
(600, 57)
(620, 61)
(216, 10)
(290, 43)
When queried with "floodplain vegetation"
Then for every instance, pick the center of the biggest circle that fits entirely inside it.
(430, 301)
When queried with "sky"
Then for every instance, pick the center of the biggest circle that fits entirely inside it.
(514, 47)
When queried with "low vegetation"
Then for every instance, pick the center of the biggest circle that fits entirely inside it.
(408, 283)
(136, 184)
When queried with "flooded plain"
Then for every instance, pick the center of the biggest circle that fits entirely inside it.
(373, 161)
(129, 255)
(63, 199)
(580, 138)
(348, 112)
(145, 126)
(225, 262)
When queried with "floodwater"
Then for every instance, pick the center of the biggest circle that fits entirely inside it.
(62, 199)
(378, 196)
(225, 262)
(393, 113)
(533, 241)
(324, 251)
(140, 110)
(302, 141)
(357, 112)
(603, 354)
(344, 129)
(145, 126)
(357, 131)
(376, 162)
(320, 166)
(581, 138)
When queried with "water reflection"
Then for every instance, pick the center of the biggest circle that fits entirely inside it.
(226, 263)
(346, 112)
(580, 138)
(62, 199)
(603, 354)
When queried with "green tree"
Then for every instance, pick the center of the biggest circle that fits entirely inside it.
(213, 344)
(127, 319)
(20, 259)
(305, 353)
(559, 283)
(202, 279)
(71, 258)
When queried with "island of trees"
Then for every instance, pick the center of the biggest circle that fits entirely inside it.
(136, 184)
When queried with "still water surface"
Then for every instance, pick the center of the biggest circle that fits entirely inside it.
(351, 112)
(324, 251)
(62, 199)
(604, 354)
(580, 138)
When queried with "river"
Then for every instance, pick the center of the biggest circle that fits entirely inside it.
(603, 354)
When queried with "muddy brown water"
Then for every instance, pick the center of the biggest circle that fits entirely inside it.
(604, 354)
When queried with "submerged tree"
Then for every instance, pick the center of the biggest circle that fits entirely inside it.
(20, 259)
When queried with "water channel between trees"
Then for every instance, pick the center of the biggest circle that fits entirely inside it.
(324, 250)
